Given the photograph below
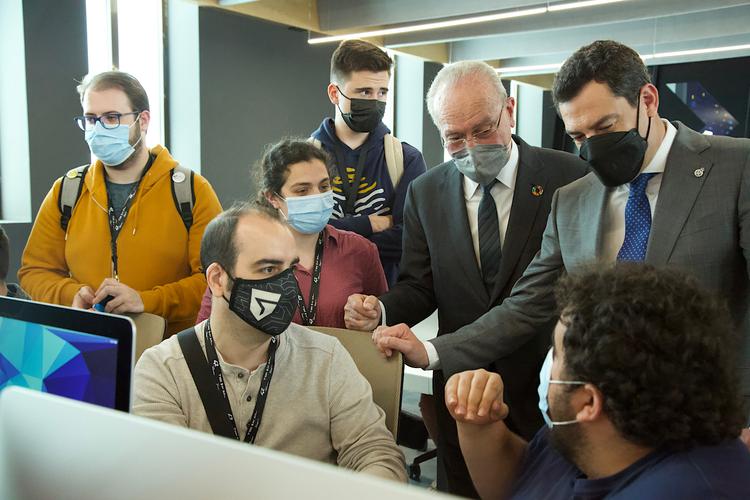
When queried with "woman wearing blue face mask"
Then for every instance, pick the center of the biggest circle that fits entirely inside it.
(293, 177)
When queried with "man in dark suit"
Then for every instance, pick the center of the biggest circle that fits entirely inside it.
(659, 192)
(464, 249)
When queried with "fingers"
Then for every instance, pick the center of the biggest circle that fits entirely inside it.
(110, 289)
(401, 338)
(475, 397)
(106, 282)
(359, 313)
(84, 298)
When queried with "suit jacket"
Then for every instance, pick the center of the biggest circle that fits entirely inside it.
(439, 268)
(701, 225)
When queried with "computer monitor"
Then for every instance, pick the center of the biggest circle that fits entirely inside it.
(52, 447)
(78, 354)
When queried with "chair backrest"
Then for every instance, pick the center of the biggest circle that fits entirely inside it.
(149, 331)
(384, 375)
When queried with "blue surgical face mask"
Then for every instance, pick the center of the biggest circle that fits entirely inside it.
(545, 379)
(111, 145)
(309, 214)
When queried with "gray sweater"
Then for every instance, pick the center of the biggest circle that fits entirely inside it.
(319, 406)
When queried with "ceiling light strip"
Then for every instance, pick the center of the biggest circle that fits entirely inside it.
(646, 57)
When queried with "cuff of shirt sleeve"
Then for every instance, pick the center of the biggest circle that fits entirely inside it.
(433, 360)
(383, 321)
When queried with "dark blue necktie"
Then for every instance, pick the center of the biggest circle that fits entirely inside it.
(637, 221)
(489, 237)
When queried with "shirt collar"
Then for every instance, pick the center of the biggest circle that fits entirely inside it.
(507, 175)
(659, 162)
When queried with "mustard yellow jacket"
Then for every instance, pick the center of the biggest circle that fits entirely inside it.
(156, 254)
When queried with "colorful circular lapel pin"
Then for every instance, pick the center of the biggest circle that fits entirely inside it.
(699, 172)
(537, 190)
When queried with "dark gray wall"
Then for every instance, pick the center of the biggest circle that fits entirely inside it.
(259, 82)
(432, 148)
(55, 38)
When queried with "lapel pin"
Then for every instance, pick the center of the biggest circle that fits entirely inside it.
(537, 190)
(699, 172)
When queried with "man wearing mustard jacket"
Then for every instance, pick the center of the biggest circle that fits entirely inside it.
(123, 243)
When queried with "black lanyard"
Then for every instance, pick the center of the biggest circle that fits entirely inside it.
(308, 313)
(351, 189)
(213, 362)
(116, 221)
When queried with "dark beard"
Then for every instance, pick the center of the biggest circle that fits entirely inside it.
(568, 440)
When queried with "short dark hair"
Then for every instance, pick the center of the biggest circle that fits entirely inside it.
(117, 80)
(219, 244)
(273, 168)
(604, 61)
(4, 254)
(358, 55)
(659, 348)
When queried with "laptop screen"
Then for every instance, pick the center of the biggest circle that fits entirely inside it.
(76, 354)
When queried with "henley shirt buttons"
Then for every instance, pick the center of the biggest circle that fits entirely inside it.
(241, 375)
(249, 397)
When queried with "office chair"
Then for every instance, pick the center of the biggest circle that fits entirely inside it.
(384, 375)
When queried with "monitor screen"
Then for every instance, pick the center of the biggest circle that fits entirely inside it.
(76, 354)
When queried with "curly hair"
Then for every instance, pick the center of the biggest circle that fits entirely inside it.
(273, 169)
(603, 61)
(659, 348)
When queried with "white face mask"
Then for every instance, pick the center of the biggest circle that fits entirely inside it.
(545, 380)
(483, 163)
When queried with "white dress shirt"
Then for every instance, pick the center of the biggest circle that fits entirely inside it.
(613, 219)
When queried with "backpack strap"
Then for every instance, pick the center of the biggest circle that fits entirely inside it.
(315, 142)
(183, 193)
(394, 158)
(198, 365)
(70, 190)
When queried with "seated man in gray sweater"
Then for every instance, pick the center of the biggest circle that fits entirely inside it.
(247, 373)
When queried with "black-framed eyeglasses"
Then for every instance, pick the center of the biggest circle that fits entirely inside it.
(456, 146)
(108, 120)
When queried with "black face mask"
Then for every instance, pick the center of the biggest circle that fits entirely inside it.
(268, 304)
(617, 157)
(364, 114)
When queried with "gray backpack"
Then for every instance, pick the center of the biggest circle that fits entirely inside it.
(182, 193)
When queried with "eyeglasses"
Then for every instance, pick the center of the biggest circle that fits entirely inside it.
(108, 120)
(457, 147)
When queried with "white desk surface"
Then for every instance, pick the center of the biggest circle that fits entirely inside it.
(416, 379)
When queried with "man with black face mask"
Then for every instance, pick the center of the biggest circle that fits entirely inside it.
(660, 193)
(374, 168)
(248, 373)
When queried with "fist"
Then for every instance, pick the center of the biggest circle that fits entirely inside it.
(476, 397)
(362, 312)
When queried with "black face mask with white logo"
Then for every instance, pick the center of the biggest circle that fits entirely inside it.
(617, 157)
(268, 304)
(364, 114)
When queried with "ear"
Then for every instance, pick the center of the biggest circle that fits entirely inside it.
(588, 403)
(510, 107)
(273, 200)
(333, 93)
(144, 119)
(650, 99)
(217, 279)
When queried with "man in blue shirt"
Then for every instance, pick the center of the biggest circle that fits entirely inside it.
(639, 393)
(373, 169)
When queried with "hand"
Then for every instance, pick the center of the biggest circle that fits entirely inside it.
(476, 397)
(125, 299)
(380, 223)
(401, 338)
(362, 312)
(84, 298)
(745, 437)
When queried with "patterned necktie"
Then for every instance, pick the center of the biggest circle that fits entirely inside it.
(489, 238)
(637, 221)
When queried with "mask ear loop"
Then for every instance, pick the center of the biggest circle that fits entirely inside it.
(279, 209)
(638, 116)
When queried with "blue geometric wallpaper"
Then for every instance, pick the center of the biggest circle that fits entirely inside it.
(63, 362)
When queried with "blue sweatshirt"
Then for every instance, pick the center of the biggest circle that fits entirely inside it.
(375, 193)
